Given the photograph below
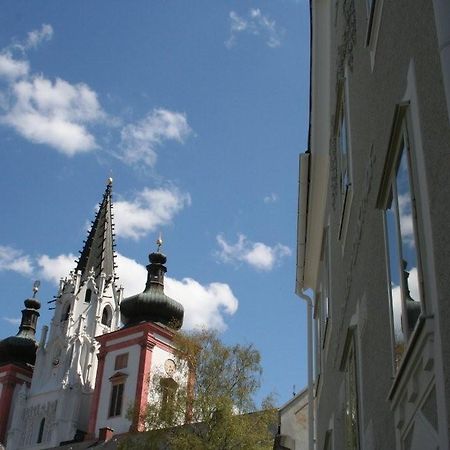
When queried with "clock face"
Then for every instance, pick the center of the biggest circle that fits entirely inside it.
(56, 362)
(170, 367)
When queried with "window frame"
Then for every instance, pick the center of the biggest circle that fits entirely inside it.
(342, 121)
(351, 349)
(121, 361)
(118, 381)
(400, 142)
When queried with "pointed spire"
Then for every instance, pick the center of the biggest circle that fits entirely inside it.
(98, 253)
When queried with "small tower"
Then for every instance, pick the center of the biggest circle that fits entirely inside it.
(86, 305)
(129, 357)
(17, 358)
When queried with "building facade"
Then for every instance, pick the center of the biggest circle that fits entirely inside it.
(373, 235)
(99, 356)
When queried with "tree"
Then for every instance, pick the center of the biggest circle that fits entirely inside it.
(214, 410)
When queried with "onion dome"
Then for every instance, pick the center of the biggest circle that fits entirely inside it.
(153, 305)
(21, 349)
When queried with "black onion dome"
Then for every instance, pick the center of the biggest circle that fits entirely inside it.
(18, 350)
(153, 305)
(21, 349)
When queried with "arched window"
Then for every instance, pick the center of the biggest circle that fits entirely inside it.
(107, 316)
(65, 314)
(87, 297)
(41, 431)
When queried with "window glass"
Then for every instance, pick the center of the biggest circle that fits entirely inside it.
(41, 431)
(87, 297)
(115, 407)
(402, 253)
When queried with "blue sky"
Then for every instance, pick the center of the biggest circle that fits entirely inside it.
(199, 110)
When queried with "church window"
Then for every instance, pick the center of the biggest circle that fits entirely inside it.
(168, 391)
(41, 431)
(107, 316)
(402, 249)
(65, 314)
(87, 297)
(351, 398)
(121, 361)
(115, 407)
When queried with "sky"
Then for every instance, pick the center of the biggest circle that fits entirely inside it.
(198, 110)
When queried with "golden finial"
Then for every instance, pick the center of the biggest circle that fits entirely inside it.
(36, 285)
(159, 242)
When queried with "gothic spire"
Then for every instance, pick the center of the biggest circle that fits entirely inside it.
(98, 252)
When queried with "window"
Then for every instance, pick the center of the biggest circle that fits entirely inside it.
(41, 431)
(343, 160)
(87, 297)
(402, 248)
(324, 297)
(351, 398)
(121, 361)
(168, 391)
(115, 407)
(65, 314)
(342, 145)
(107, 316)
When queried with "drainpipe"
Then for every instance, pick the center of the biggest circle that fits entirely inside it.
(304, 161)
(309, 312)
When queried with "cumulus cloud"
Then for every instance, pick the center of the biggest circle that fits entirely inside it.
(205, 306)
(257, 24)
(271, 198)
(53, 269)
(11, 68)
(258, 255)
(56, 113)
(149, 210)
(139, 141)
(15, 261)
(413, 284)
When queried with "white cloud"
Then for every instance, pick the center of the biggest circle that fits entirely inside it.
(140, 141)
(257, 24)
(53, 269)
(413, 284)
(11, 68)
(257, 254)
(271, 198)
(35, 37)
(15, 260)
(54, 113)
(204, 305)
(12, 320)
(149, 210)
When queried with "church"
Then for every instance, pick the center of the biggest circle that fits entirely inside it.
(97, 358)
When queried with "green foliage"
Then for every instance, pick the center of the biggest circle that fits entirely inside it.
(215, 410)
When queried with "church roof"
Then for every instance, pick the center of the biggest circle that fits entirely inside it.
(98, 250)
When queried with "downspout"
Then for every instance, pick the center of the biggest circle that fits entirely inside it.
(309, 312)
(300, 288)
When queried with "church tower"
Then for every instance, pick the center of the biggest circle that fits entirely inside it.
(130, 358)
(56, 406)
(17, 358)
